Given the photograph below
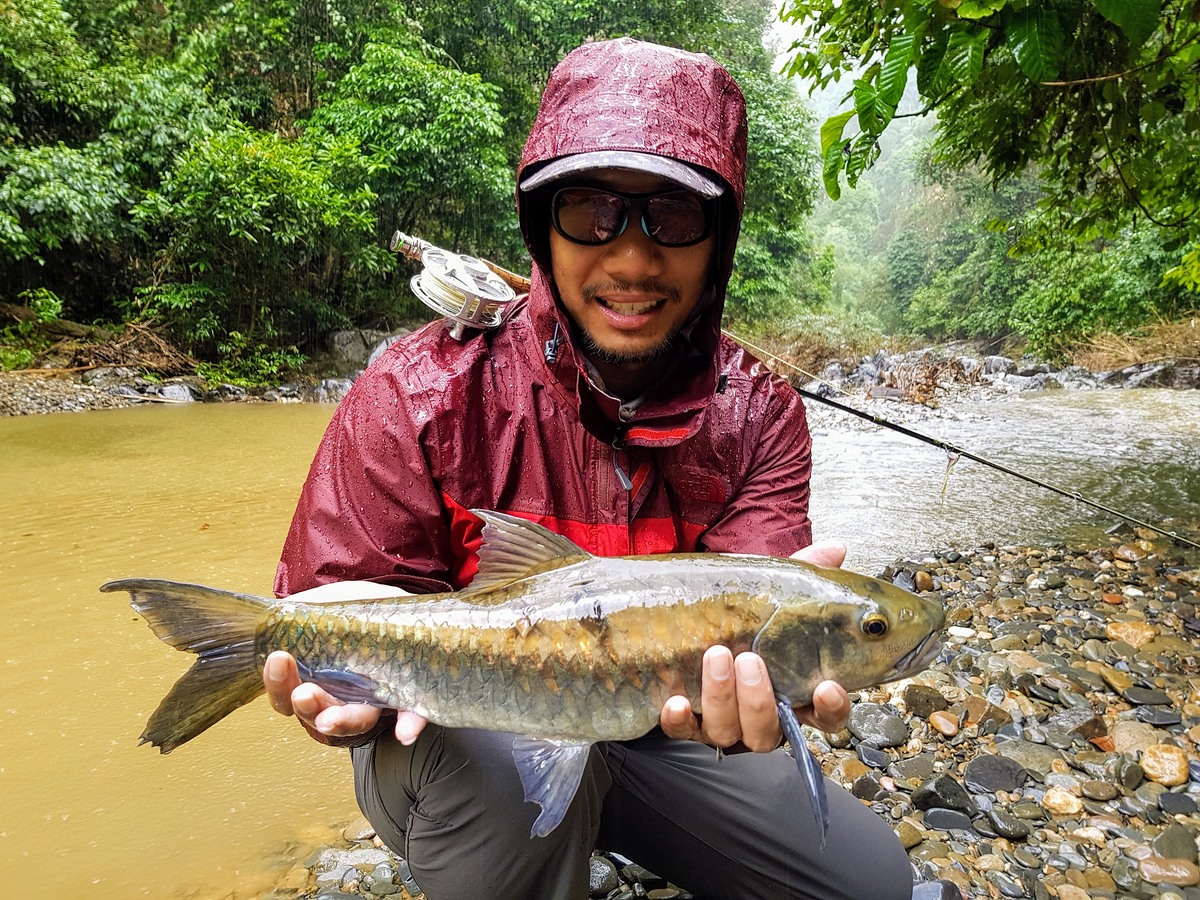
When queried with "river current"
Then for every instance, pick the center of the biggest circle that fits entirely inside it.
(204, 493)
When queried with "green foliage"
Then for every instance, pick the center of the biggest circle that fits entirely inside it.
(23, 342)
(1111, 286)
(431, 137)
(1101, 99)
(246, 363)
(252, 222)
(777, 268)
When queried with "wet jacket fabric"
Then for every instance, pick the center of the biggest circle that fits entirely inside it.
(717, 458)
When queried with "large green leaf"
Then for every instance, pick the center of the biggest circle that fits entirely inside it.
(831, 169)
(864, 150)
(929, 65)
(964, 55)
(894, 75)
(1035, 37)
(979, 9)
(831, 130)
(1137, 18)
(874, 113)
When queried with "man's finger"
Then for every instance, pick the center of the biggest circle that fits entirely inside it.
(830, 708)
(351, 718)
(756, 704)
(718, 698)
(677, 720)
(830, 554)
(280, 678)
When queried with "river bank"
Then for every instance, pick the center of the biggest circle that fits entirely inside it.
(1052, 751)
(918, 380)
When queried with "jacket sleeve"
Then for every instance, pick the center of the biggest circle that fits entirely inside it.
(768, 513)
(370, 508)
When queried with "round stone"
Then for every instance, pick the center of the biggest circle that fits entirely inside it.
(1061, 803)
(944, 723)
(988, 773)
(1136, 634)
(1165, 764)
(1168, 871)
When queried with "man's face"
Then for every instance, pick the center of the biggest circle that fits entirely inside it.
(630, 296)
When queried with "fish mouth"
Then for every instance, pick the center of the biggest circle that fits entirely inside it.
(918, 658)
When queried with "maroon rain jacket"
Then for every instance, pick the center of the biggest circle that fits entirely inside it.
(508, 420)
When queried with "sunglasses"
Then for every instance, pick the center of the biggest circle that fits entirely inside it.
(593, 215)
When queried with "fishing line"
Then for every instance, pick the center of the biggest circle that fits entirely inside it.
(954, 449)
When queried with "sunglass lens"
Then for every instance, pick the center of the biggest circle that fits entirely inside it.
(589, 216)
(675, 219)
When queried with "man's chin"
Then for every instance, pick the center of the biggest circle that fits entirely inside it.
(628, 356)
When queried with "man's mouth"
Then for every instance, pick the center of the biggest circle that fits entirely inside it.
(630, 309)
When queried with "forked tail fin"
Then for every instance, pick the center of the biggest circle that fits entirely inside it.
(219, 626)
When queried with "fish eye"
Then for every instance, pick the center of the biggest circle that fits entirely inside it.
(875, 625)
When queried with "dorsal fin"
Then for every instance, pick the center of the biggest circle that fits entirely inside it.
(516, 548)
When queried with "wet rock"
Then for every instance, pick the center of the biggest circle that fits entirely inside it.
(921, 700)
(1177, 804)
(947, 819)
(1007, 825)
(1059, 802)
(877, 725)
(1035, 758)
(1165, 764)
(943, 791)
(602, 876)
(1145, 696)
(1158, 870)
(989, 773)
(1175, 842)
(1080, 721)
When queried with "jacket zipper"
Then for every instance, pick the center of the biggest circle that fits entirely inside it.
(618, 444)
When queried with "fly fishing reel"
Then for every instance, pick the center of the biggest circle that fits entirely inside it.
(461, 288)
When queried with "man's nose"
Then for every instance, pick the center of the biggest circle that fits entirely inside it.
(632, 255)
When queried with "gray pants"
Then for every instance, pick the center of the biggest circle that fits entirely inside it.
(737, 828)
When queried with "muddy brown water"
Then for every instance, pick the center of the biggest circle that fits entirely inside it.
(204, 493)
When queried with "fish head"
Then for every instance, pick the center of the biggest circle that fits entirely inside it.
(850, 628)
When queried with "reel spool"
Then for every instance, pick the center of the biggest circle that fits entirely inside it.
(463, 289)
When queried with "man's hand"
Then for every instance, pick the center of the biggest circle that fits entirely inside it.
(737, 697)
(321, 711)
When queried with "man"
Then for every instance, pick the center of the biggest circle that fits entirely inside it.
(611, 410)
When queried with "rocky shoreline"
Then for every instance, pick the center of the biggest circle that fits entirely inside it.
(1053, 750)
(914, 382)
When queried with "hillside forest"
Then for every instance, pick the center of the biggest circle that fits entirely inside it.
(228, 174)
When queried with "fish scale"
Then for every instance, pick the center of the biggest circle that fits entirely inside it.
(559, 647)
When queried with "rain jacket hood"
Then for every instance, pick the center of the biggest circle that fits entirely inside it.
(627, 95)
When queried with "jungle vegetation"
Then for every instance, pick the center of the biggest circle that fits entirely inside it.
(230, 172)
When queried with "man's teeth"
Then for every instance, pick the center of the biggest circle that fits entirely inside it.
(631, 309)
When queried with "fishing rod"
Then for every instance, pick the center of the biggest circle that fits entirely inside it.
(954, 449)
(475, 293)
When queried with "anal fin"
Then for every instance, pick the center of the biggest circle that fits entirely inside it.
(348, 686)
(550, 774)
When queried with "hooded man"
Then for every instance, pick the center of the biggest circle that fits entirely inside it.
(610, 409)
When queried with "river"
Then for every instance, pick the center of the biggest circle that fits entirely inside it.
(205, 492)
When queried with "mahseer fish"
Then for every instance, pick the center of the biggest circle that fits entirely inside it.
(550, 643)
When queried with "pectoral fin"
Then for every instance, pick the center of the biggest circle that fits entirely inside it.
(809, 767)
(349, 686)
(550, 773)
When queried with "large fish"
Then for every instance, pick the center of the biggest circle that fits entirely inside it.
(548, 642)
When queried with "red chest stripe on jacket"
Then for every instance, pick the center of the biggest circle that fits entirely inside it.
(644, 536)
